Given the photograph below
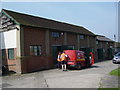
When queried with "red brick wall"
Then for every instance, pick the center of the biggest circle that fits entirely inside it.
(59, 40)
(106, 46)
(83, 42)
(92, 44)
(72, 39)
(10, 63)
(92, 41)
(35, 36)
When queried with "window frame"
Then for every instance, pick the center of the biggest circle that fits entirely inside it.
(11, 57)
(82, 37)
(35, 50)
(55, 34)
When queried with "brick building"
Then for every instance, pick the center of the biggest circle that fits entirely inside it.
(117, 47)
(105, 47)
(30, 43)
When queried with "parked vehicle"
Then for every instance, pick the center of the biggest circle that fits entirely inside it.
(77, 59)
(116, 59)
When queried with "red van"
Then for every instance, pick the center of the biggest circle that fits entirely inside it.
(78, 59)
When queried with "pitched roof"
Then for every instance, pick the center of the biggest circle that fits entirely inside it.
(103, 38)
(35, 21)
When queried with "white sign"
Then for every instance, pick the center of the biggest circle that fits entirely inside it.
(8, 39)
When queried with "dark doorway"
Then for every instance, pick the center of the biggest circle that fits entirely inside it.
(87, 51)
(100, 54)
(109, 53)
(56, 49)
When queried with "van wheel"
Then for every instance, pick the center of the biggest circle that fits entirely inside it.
(78, 66)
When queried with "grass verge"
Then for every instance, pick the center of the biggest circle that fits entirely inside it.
(115, 72)
(108, 88)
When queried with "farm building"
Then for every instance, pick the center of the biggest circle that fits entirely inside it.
(30, 43)
(105, 47)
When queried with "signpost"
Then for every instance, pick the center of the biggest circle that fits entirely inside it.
(7, 23)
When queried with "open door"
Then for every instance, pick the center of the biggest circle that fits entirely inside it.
(60, 48)
(55, 50)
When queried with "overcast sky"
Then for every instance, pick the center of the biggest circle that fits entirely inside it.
(98, 17)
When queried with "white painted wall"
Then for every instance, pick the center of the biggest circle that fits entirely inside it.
(8, 39)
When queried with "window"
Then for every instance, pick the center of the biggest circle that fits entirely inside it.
(82, 37)
(11, 53)
(35, 50)
(55, 34)
(97, 42)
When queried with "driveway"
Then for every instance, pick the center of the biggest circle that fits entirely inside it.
(55, 78)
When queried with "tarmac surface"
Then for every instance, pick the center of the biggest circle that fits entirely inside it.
(96, 76)
(109, 81)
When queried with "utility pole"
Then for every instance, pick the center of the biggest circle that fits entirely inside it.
(115, 42)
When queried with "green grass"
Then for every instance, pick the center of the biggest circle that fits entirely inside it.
(115, 72)
(108, 88)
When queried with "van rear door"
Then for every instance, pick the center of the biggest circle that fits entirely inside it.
(71, 56)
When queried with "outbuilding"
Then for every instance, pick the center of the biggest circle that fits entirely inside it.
(105, 47)
(30, 43)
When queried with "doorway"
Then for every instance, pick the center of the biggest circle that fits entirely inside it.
(100, 54)
(56, 49)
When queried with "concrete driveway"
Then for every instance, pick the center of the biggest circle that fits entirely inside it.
(55, 78)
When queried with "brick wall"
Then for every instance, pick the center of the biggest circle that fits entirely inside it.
(56, 40)
(10, 63)
(92, 42)
(35, 36)
(83, 42)
(72, 39)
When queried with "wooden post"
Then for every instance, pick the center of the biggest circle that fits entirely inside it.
(88, 41)
(78, 41)
(47, 42)
(65, 38)
(18, 55)
(47, 45)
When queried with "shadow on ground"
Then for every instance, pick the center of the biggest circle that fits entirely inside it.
(8, 73)
(83, 68)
